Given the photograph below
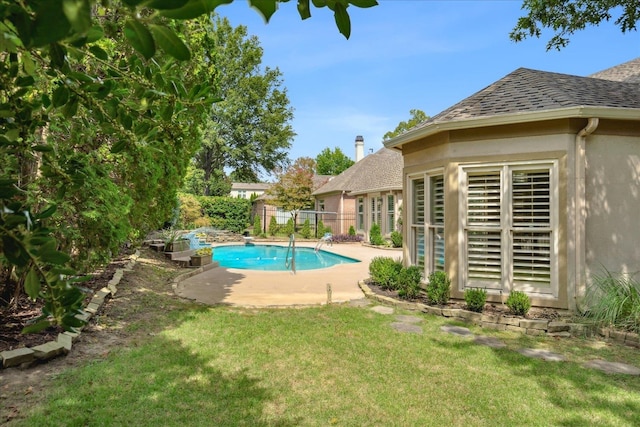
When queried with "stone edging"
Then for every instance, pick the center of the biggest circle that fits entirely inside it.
(552, 328)
(64, 342)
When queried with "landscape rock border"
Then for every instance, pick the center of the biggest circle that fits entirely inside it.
(553, 328)
(26, 356)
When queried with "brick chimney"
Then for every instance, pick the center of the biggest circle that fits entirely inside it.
(359, 148)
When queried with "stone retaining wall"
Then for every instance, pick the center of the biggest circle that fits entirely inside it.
(554, 328)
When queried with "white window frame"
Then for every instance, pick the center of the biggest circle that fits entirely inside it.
(506, 228)
(391, 213)
(361, 214)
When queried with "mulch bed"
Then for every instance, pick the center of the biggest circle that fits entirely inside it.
(14, 319)
(490, 308)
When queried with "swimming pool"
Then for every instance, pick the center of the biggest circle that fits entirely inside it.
(272, 257)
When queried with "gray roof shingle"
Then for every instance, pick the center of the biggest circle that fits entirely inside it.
(525, 90)
(628, 72)
(375, 172)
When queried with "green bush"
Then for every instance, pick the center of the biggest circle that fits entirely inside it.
(319, 229)
(475, 298)
(375, 236)
(409, 280)
(519, 303)
(384, 272)
(438, 288)
(227, 213)
(289, 228)
(257, 226)
(352, 230)
(396, 239)
(273, 226)
(305, 231)
(614, 301)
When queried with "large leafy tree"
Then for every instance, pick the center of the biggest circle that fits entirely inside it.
(417, 117)
(565, 17)
(332, 162)
(99, 116)
(294, 185)
(249, 129)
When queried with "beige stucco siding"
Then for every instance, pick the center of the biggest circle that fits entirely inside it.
(612, 204)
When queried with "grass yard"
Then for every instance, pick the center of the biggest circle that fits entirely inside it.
(187, 365)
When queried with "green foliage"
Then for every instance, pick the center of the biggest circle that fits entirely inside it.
(375, 236)
(352, 230)
(384, 272)
(293, 188)
(475, 298)
(273, 226)
(417, 117)
(332, 162)
(519, 303)
(227, 213)
(319, 229)
(257, 226)
(408, 282)
(614, 301)
(190, 210)
(305, 231)
(438, 288)
(396, 239)
(289, 228)
(568, 16)
(205, 251)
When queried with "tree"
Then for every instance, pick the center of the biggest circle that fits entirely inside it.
(249, 129)
(332, 162)
(417, 117)
(565, 17)
(293, 188)
(100, 107)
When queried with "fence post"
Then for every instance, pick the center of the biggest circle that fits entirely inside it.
(264, 219)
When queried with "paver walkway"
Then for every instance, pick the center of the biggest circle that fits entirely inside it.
(409, 324)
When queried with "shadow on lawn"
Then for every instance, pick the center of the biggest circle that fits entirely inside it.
(591, 389)
(159, 383)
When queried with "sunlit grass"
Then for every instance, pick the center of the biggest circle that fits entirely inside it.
(337, 365)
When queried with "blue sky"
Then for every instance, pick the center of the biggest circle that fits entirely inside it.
(403, 55)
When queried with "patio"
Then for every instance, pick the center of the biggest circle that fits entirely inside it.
(252, 288)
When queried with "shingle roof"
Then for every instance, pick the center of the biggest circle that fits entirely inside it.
(525, 90)
(628, 72)
(250, 185)
(377, 171)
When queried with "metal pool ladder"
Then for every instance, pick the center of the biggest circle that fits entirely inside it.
(291, 249)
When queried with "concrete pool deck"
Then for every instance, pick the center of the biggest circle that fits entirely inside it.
(253, 288)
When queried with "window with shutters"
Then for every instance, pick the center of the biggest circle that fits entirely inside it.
(376, 211)
(427, 222)
(391, 213)
(509, 226)
(360, 224)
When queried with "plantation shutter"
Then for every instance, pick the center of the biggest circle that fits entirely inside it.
(531, 228)
(483, 233)
(436, 227)
(417, 222)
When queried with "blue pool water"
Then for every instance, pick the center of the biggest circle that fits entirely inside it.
(272, 257)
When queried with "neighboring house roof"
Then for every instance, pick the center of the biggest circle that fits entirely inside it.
(250, 186)
(318, 181)
(628, 72)
(379, 171)
(529, 95)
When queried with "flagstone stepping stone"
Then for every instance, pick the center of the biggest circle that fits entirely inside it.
(542, 354)
(489, 341)
(408, 319)
(456, 330)
(612, 367)
(382, 309)
(406, 327)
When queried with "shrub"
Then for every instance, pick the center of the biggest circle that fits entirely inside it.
(614, 301)
(305, 231)
(375, 236)
(289, 228)
(409, 282)
(352, 231)
(257, 226)
(319, 229)
(519, 303)
(475, 298)
(396, 239)
(384, 272)
(438, 288)
(190, 210)
(341, 238)
(273, 226)
(227, 213)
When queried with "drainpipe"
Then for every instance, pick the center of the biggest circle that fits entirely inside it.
(580, 207)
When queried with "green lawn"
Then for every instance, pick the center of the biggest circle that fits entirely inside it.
(336, 365)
